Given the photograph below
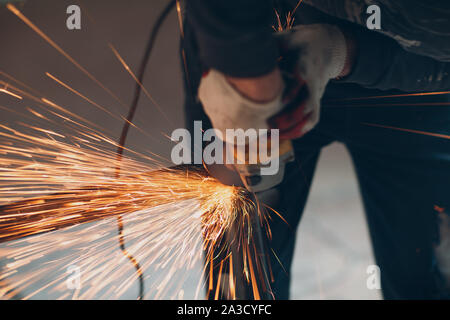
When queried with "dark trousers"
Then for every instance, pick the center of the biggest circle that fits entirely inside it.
(404, 179)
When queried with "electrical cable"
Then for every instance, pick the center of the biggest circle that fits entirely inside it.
(123, 136)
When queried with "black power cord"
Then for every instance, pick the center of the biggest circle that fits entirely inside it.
(126, 127)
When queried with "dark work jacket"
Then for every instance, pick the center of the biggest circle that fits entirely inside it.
(411, 52)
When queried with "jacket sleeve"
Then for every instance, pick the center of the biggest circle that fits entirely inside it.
(381, 63)
(234, 36)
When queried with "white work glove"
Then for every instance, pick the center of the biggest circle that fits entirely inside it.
(322, 55)
(229, 109)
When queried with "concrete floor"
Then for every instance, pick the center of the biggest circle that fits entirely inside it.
(333, 250)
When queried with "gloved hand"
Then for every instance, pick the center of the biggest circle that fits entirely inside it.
(228, 108)
(321, 54)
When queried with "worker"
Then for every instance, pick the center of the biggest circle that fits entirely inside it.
(404, 176)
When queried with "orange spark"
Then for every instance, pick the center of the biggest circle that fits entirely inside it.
(216, 297)
(4, 90)
(231, 280)
(79, 94)
(421, 104)
(290, 19)
(148, 95)
(431, 134)
(18, 82)
(419, 94)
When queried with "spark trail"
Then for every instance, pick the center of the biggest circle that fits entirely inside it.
(6, 91)
(426, 133)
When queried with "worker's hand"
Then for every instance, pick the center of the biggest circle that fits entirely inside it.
(321, 53)
(240, 103)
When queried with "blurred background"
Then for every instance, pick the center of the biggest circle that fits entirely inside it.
(333, 250)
